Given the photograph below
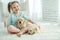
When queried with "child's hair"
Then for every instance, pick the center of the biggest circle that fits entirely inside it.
(9, 5)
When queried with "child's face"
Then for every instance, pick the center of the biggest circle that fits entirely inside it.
(15, 7)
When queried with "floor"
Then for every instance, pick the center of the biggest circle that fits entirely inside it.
(48, 31)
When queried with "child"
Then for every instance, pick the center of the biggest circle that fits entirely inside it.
(15, 14)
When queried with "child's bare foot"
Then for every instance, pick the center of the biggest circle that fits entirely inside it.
(19, 34)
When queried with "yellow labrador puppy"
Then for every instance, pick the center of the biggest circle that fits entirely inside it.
(22, 23)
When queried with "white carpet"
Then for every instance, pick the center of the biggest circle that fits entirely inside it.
(47, 32)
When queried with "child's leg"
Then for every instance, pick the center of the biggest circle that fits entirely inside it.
(12, 29)
(22, 31)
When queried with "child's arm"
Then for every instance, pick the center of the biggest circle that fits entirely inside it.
(8, 22)
(30, 20)
(34, 22)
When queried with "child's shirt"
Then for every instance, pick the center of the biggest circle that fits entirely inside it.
(12, 18)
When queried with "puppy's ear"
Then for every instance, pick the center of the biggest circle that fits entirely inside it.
(17, 21)
(26, 21)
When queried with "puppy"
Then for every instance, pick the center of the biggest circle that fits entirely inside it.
(33, 29)
(22, 23)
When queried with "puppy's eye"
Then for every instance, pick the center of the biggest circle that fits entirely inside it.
(20, 22)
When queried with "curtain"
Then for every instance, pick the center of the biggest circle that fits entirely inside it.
(35, 9)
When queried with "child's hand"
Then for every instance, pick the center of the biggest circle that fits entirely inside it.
(19, 34)
(34, 22)
(38, 26)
